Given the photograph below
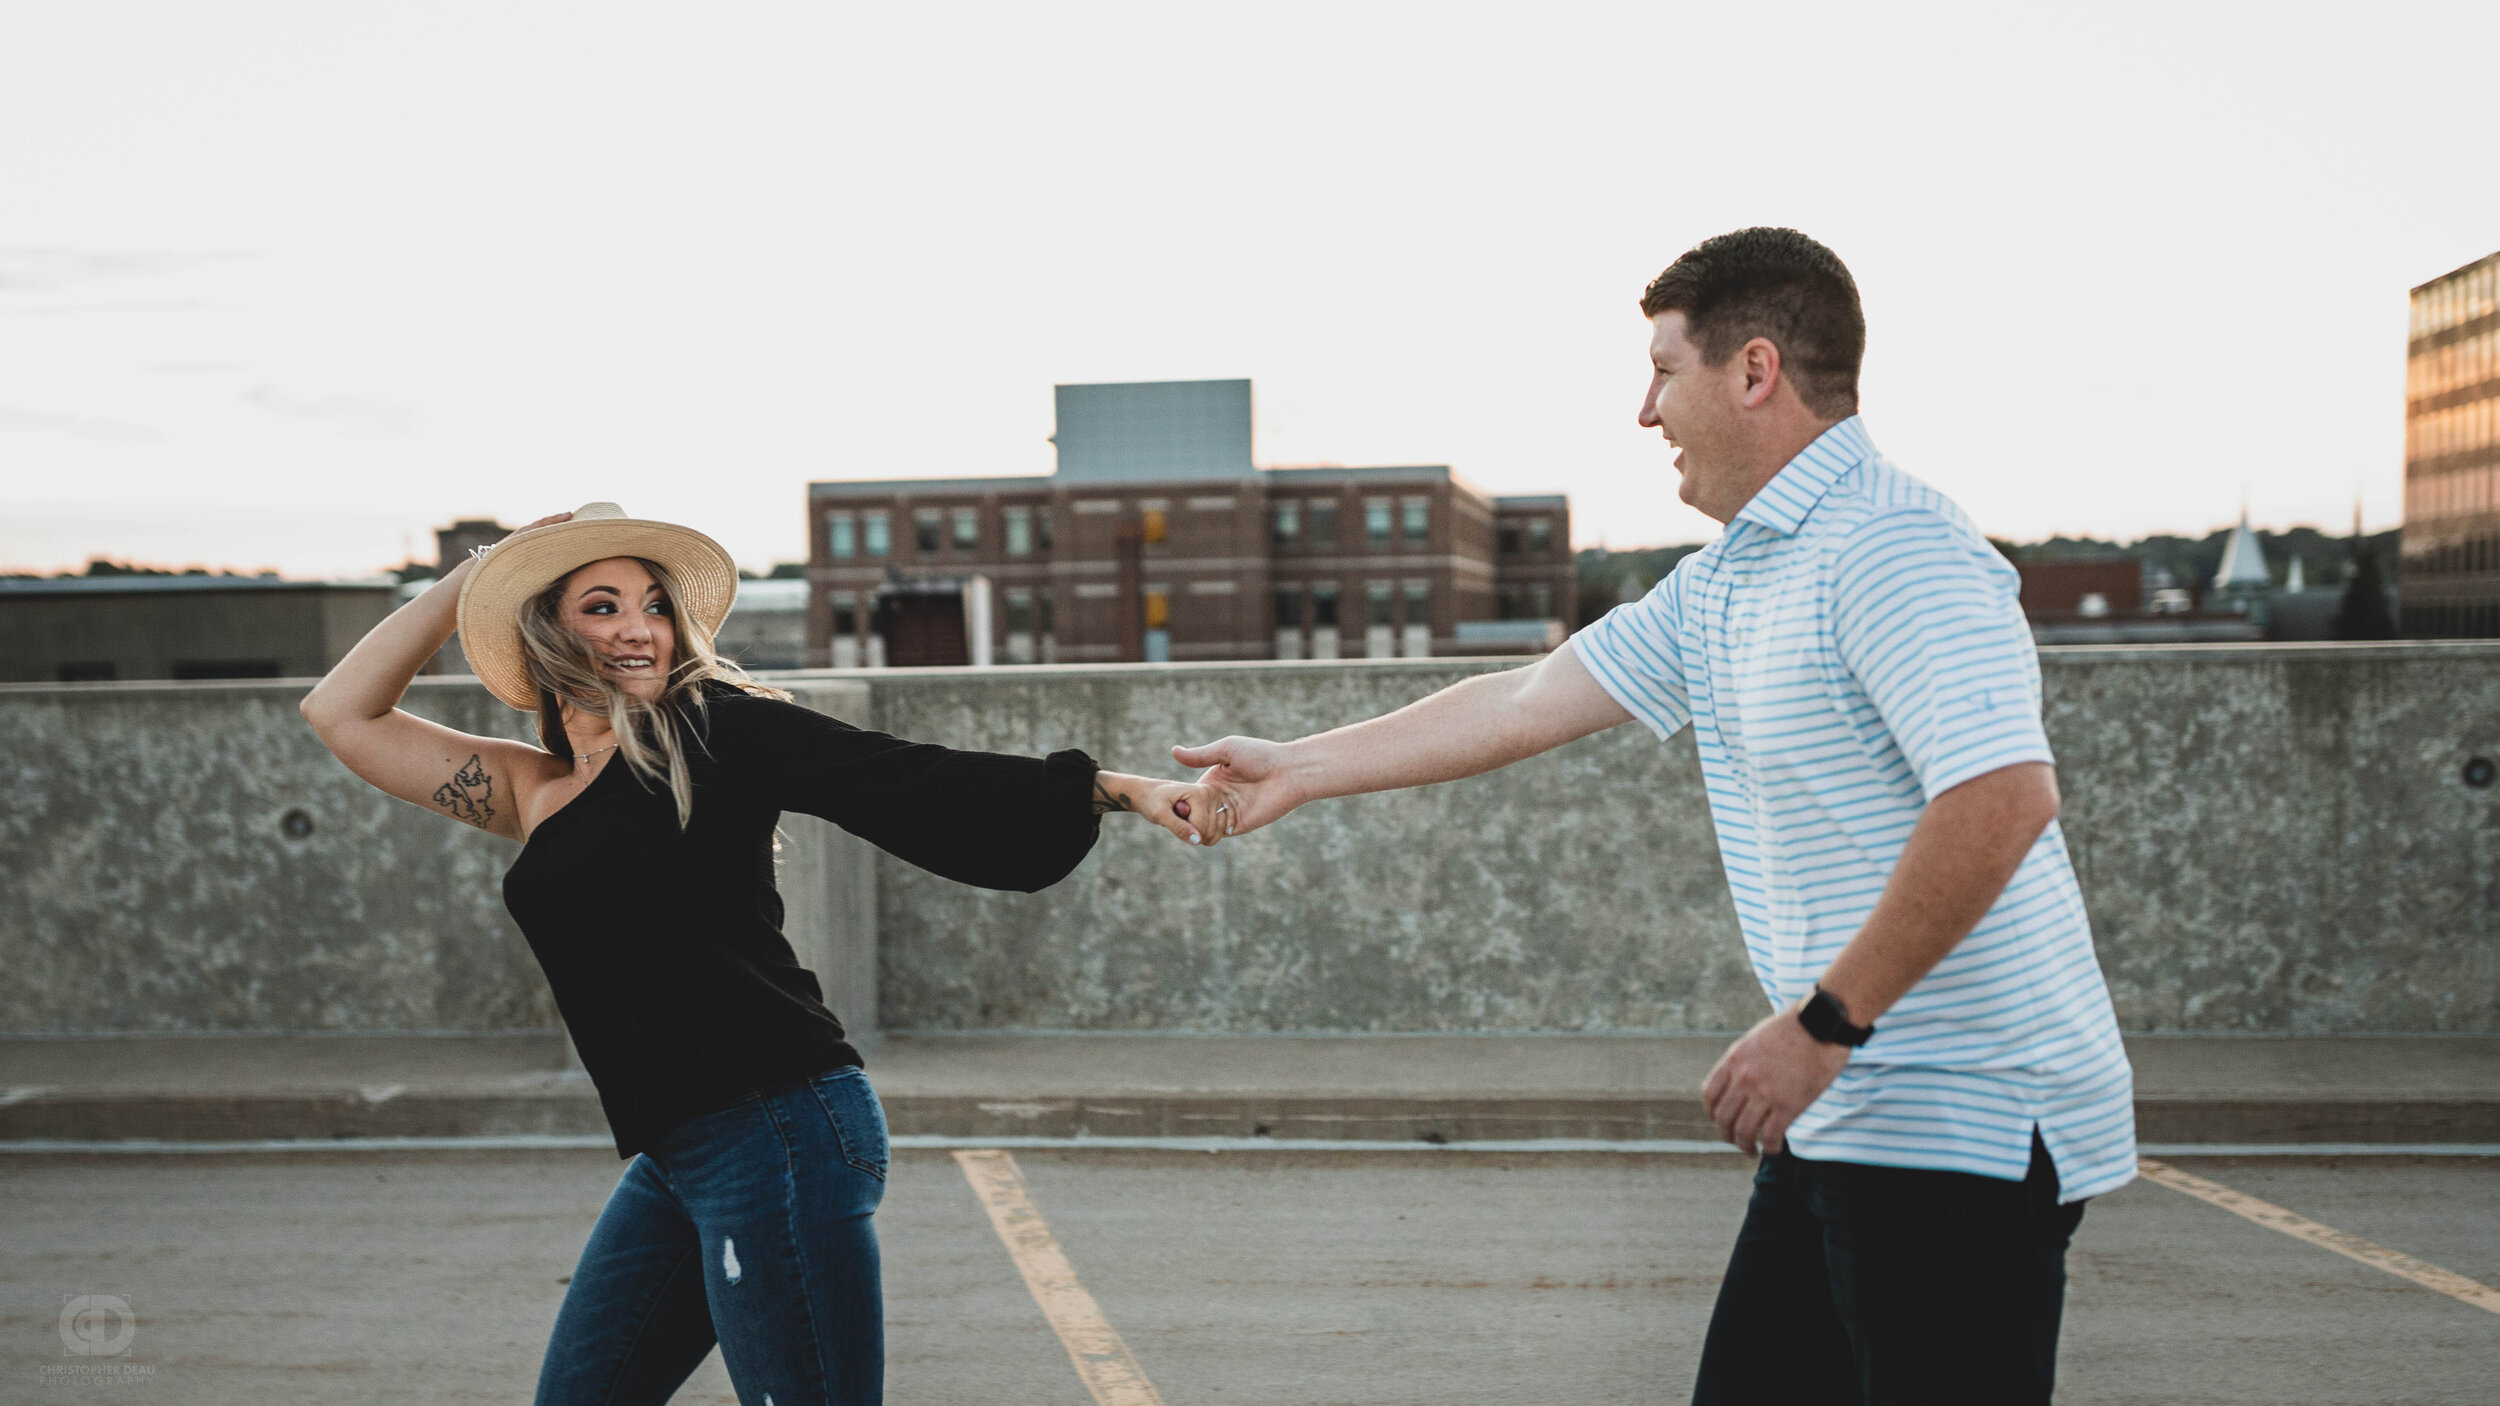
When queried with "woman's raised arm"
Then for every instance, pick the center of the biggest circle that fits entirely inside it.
(355, 710)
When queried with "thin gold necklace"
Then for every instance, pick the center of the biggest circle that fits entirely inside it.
(586, 756)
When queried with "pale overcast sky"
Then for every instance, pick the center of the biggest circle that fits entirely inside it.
(289, 286)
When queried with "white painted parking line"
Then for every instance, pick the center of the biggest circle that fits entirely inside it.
(2273, 1217)
(1102, 1359)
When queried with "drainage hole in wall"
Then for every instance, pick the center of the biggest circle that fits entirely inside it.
(2479, 771)
(296, 824)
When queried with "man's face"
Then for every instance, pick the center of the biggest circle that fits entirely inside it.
(1694, 407)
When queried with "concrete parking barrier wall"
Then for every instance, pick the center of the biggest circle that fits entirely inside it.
(2272, 840)
(180, 857)
(187, 857)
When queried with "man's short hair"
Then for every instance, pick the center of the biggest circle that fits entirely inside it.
(1779, 285)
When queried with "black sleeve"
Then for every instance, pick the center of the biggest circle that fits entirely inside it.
(983, 818)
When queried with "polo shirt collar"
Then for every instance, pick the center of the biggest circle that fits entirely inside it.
(1783, 503)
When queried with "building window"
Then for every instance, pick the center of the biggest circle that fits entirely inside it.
(1506, 602)
(1506, 539)
(1323, 522)
(967, 529)
(1324, 606)
(1019, 611)
(926, 525)
(1041, 611)
(1540, 536)
(1376, 603)
(1288, 527)
(1018, 523)
(1418, 514)
(1419, 602)
(1288, 608)
(841, 536)
(1540, 600)
(876, 533)
(1158, 641)
(1376, 522)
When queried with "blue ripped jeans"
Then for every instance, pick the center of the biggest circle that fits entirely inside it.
(752, 1226)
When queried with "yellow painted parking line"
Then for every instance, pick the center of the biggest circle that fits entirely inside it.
(2273, 1217)
(1101, 1359)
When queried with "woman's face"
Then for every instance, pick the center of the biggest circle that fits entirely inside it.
(627, 620)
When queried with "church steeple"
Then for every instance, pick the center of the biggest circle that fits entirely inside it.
(2242, 582)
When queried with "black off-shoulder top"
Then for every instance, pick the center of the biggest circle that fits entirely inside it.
(664, 947)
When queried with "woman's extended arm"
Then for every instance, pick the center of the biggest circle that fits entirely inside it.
(991, 819)
(355, 710)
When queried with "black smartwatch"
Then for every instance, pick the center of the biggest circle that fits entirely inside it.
(1827, 1020)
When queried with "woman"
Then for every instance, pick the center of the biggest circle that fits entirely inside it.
(645, 887)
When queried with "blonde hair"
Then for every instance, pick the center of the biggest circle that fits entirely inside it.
(566, 670)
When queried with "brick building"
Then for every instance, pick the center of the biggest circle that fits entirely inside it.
(1157, 539)
(2450, 568)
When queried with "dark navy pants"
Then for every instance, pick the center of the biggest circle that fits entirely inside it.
(1880, 1285)
(752, 1227)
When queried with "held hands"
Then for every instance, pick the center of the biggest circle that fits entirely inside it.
(1188, 810)
(1249, 777)
(1767, 1078)
(1245, 785)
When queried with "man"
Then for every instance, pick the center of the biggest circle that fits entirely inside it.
(1941, 1083)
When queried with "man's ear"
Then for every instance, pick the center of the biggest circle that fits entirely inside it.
(1760, 359)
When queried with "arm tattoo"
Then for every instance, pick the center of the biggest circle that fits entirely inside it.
(1105, 802)
(469, 795)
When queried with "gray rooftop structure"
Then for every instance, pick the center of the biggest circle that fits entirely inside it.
(150, 585)
(93, 628)
(1135, 431)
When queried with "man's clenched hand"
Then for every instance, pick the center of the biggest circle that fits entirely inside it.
(1767, 1078)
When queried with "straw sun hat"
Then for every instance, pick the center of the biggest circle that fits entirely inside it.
(525, 563)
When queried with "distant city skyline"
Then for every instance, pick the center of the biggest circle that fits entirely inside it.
(290, 288)
(791, 566)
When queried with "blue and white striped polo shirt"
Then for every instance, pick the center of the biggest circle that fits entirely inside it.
(1849, 649)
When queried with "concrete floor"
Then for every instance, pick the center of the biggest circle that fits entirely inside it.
(1262, 1277)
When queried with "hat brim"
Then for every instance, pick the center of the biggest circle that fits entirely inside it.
(527, 563)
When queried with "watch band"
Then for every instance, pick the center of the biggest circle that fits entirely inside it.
(1828, 1021)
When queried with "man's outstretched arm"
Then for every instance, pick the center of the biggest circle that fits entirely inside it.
(1472, 726)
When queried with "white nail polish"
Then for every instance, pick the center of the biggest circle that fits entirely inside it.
(1193, 837)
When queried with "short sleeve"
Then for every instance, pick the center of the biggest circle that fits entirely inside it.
(1928, 618)
(1635, 653)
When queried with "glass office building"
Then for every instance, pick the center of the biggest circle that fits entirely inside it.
(2451, 564)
